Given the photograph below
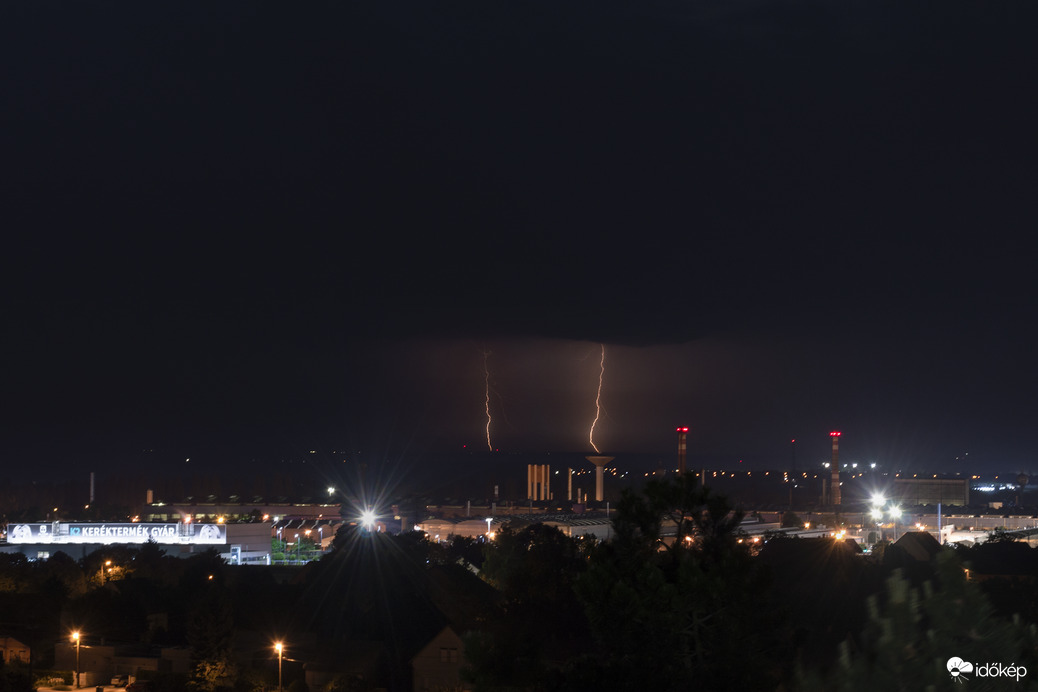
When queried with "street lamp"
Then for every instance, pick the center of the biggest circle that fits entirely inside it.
(320, 532)
(279, 647)
(75, 638)
(367, 519)
(297, 547)
(895, 514)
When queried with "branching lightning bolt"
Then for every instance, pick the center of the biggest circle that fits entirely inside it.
(598, 402)
(486, 374)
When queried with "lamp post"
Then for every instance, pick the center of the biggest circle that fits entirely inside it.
(75, 638)
(279, 647)
(307, 532)
(895, 514)
(297, 547)
(320, 532)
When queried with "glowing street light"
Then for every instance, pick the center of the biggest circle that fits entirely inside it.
(367, 519)
(75, 638)
(895, 514)
(279, 647)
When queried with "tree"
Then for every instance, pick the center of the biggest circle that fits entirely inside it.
(681, 610)
(534, 569)
(791, 520)
(14, 678)
(1000, 535)
(912, 633)
(214, 674)
(209, 632)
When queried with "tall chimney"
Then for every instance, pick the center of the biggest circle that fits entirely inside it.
(91, 487)
(834, 492)
(682, 445)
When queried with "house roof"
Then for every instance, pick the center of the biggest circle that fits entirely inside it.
(919, 545)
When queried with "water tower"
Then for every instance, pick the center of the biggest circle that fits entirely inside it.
(599, 463)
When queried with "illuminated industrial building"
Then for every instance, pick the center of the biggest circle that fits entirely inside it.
(932, 491)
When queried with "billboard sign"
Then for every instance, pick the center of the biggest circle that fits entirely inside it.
(166, 534)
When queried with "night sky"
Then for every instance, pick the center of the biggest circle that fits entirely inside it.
(239, 230)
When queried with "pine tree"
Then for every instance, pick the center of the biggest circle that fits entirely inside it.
(912, 634)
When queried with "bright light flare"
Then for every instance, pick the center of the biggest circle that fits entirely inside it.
(367, 519)
(598, 401)
(895, 512)
(878, 500)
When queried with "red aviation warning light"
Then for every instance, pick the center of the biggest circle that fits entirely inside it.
(684, 430)
(834, 434)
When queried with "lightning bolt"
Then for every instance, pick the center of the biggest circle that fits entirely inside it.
(486, 374)
(598, 401)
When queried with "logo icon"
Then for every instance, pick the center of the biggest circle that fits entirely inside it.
(21, 533)
(958, 668)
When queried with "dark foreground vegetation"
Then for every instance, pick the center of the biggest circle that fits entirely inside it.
(549, 612)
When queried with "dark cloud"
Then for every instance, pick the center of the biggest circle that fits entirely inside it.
(244, 223)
